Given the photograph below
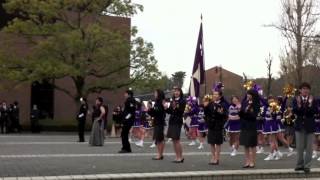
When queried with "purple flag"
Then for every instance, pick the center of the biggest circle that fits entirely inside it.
(198, 73)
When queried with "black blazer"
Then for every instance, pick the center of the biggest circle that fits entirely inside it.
(248, 117)
(214, 119)
(158, 113)
(176, 111)
(305, 113)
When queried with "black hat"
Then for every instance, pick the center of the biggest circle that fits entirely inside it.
(305, 85)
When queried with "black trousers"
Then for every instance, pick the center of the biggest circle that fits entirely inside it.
(125, 137)
(4, 125)
(81, 128)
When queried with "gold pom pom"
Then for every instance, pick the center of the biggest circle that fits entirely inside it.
(207, 98)
(289, 90)
(248, 85)
(275, 107)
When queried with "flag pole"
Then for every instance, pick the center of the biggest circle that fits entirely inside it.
(205, 78)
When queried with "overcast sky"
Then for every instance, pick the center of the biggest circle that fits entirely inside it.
(234, 36)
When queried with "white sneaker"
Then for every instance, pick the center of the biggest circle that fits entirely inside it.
(139, 143)
(260, 150)
(193, 143)
(277, 155)
(314, 154)
(169, 140)
(153, 145)
(290, 152)
(318, 159)
(201, 146)
(270, 157)
(234, 152)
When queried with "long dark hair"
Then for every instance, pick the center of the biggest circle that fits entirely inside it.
(161, 95)
(255, 100)
(181, 93)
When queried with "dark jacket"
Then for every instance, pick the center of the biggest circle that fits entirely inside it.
(82, 115)
(158, 113)
(214, 119)
(129, 111)
(248, 116)
(176, 111)
(305, 113)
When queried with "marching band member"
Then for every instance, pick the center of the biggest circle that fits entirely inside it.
(158, 113)
(176, 111)
(233, 124)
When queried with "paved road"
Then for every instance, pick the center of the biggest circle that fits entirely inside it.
(55, 155)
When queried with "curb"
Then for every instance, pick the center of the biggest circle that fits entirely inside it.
(189, 175)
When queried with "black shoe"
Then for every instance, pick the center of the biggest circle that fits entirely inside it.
(214, 163)
(306, 170)
(299, 169)
(177, 162)
(124, 151)
(246, 166)
(157, 159)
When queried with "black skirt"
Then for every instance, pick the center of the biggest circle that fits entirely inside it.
(158, 134)
(215, 137)
(248, 138)
(174, 131)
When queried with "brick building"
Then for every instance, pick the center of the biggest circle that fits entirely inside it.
(233, 82)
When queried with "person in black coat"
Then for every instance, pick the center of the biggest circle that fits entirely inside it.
(4, 118)
(215, 116)
(248, 126)
(176, 111)
(117, 119)
(158, 114)
(82, 116)
(305, 108)
(127, 121)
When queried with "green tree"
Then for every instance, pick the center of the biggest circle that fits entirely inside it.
(178, 78)
(70, 38)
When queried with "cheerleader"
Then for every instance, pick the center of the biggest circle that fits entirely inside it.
(317, 133)
(136, 128)
(157, 111)
(288, 122)
(202, 128)
(148, 126)
(176, 111)
(280, 134)
(272, 114)
(233, 125)
(141, 130)
(248, 133)
(192, 111)
(216, 113)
